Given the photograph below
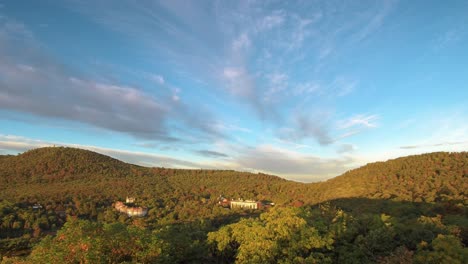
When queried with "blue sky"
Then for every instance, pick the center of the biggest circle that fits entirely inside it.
(301, 89)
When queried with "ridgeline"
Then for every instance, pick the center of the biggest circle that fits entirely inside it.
(429, 177)
(47, 190)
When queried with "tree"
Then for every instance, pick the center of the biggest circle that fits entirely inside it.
(445, 249)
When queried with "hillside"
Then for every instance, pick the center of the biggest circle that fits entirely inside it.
(58, 164)
(381, 210)
(421, 178)
(428, 177)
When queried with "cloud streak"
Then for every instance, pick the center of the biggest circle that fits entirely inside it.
(211, 154)
(442, 144)
(264, 158)
(45, 87)
(359, 121)
(305, 127)
(222, 43)
(18, 144)
(297, 166)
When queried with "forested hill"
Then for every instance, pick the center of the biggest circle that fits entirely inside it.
(411, 208)
(58, 164)
(431, 177)
(421, 178)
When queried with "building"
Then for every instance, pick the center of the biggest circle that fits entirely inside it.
(130, 210)
(247, 204)
(37, 206)
(224, 202)
(137, 211)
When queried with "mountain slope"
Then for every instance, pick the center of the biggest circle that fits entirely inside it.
(420, 178)
(43, 189)
(428, 177)
(52, 164)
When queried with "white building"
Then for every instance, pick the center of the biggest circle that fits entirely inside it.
(247, 204)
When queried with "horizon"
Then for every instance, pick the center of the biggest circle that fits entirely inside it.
(122, 156)
(302, 90)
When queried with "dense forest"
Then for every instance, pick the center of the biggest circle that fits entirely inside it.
(56, 206)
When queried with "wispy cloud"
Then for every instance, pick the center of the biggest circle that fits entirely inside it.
(308, 126)
(276, 18)
(221, 43)
(306, 88)
(241, 43)
(355, 125)
(340, 86)
(156, 78)
(264, 158)
(346, 148)
(15, 144)
(449, 37)
(375, 21)
(47, 88)
(364, 121)
(211, 154)
(442, 144)
(231, 127)
(270, 159)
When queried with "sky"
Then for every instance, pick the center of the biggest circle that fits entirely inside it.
(305, 90)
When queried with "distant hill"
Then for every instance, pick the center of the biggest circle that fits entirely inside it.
(431, 177)
(52, 164)
(61, 171)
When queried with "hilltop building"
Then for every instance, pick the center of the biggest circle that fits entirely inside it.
(247, 204)
(130, 210)
(240, 203)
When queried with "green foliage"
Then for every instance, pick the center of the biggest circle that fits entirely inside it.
(282, 235)
(433, 177)
(81, 241)
(399, 211)
(445, 249)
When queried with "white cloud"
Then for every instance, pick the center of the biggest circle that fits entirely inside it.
(306, 88)
(26, 68)
(158, 79)
(376, 21)
(230, 127)
(341, 86)
(231, 73)
(441, 144)
(364, 121)
(300, 31)
(15, 144)
(278, 82)
(270, 21)
(346, 148)
(240, 83)
(241, 43)
(48, 88)
(294, 165)
(265, 158)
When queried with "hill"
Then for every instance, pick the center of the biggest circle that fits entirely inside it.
(431, 177)
(367, 215)
(420, 178)
(58, 164)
